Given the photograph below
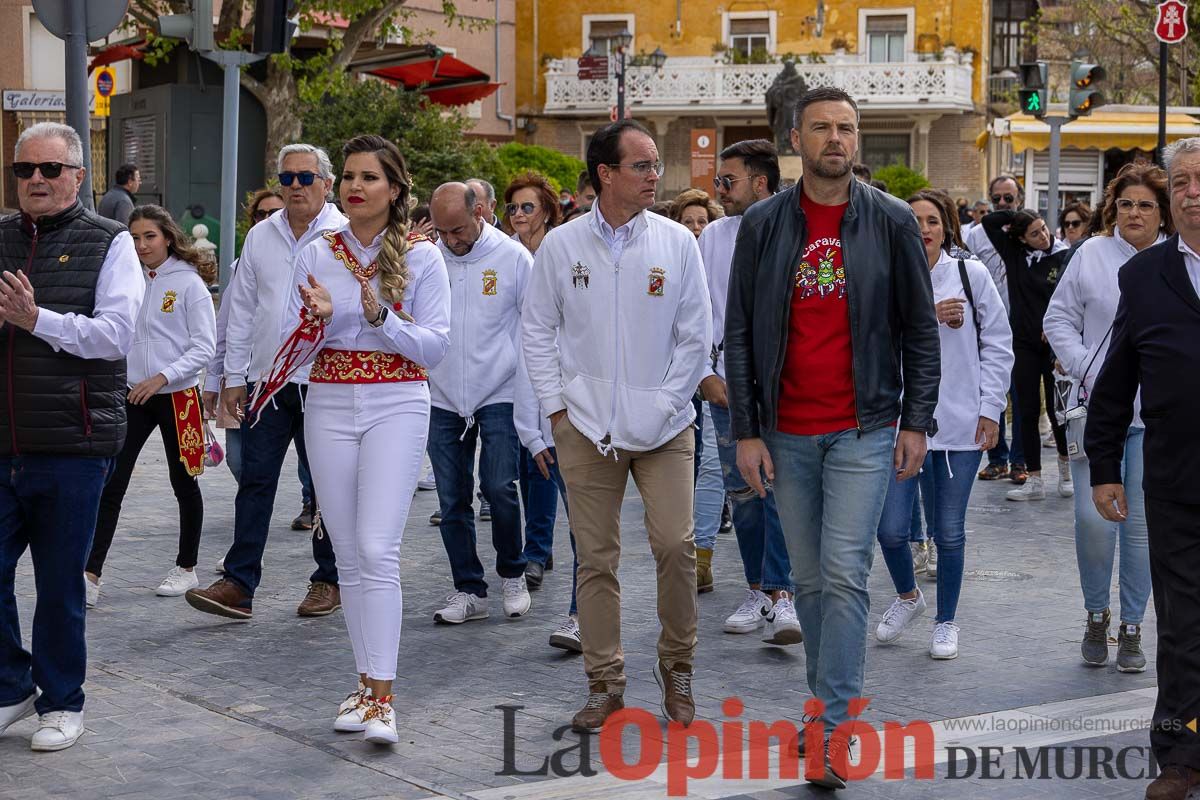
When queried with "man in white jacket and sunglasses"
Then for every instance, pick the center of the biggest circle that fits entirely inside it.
(616, 330)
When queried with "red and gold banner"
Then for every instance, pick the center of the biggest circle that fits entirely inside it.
(361, 366)
(189, 429)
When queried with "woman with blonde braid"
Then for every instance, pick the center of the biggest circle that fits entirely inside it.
(374, 308)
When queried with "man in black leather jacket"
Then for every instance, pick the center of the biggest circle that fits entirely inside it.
(830, 338)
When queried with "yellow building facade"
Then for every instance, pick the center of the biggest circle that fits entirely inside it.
(917, 68)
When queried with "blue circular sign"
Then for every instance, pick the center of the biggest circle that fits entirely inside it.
(105, 85)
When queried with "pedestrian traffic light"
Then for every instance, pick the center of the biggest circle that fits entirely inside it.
(195, 26)
(272, 28)
(1084, 95)
(1034, 79)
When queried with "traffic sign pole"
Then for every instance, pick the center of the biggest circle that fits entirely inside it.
(1162, 101)
(1055, 124)
(1169, 28)
(77, 91)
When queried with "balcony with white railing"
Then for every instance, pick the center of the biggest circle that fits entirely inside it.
(708, 84)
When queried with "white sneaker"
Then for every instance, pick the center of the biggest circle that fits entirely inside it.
(462, 607)
(1065, 487)
(91, 591)
(380, 723)
(57, 730)
(516, 597)
(16, 712)
(931, 564)
(567, 636)
(920, 556)
(1032, 490)
(177, 582)
(220, 566)
(898, 616)
(783, 627)
(944, 644)
(427, 482)
(751, 614)
(351, 711)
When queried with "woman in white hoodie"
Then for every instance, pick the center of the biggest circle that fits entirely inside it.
(174, 338)
(977, 358)
(1078, 324)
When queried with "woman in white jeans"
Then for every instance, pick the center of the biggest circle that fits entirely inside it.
(381, 299)
(1078, 325)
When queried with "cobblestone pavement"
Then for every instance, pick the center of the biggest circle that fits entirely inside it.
(181, 702)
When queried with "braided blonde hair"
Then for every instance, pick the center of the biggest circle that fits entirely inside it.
(393, 267)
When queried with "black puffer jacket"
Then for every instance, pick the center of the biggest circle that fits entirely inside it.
(893, 326)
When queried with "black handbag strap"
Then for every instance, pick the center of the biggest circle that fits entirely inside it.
(966, 284)
(1082, 389)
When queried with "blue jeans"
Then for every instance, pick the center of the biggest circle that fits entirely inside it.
(452, 453)
(830, 491)
(264, 447)
(540, 497)
(1002, 454)
(49, 505)
(916, 529)
(755, 519)
(1096, 538)
(945, 481)
(233, 457)
(710, 490)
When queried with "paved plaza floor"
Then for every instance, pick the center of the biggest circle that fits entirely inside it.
(184, 704)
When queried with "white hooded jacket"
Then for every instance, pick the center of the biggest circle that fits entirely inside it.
(487, 288)
(621, 346)
(175, 332)
(1082, 310)
(975, 369)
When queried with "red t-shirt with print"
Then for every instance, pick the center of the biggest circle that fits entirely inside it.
(816, 390)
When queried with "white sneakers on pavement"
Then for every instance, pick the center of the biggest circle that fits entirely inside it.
(920, 555)
(91, 591)
(380, 722)
(751, 614)
(16, 712)
(1033, 489)
(462, 607)
(898, 617)
(427, 483)
(177, 582)
(931, 562)
(351, 711)
(943, 645)
(1066, 488)
(783, 627)
(516, 597)
(567, 636)
(57, 730)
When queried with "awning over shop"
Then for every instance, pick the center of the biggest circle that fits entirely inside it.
(446, 80)
(1124, 130)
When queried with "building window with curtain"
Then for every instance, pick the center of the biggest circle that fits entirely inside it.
(885, 37)
(883, 149)
(750, 37)
(602, 32)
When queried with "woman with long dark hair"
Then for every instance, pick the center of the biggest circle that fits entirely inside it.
(1079, 321)
(174, 338)
(373, 306)
(1033, 261)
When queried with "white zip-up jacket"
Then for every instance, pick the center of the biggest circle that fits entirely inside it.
(621, 345)
(975, 370)
(260, 291)
(533, 427)
(716, 251)
(1082, 309)
(487, 288)
(176, 329)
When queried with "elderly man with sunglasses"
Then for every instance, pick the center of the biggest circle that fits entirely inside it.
(258, 295)
(70, 291)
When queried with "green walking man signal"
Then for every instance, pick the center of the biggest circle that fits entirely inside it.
(1034, 86)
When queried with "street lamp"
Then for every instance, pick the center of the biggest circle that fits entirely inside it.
(658, 58)
(621, 43)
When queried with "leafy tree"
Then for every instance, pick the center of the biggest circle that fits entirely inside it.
(562, 170)
(901, 181)
(431, 138)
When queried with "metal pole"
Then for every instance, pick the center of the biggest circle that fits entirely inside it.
(78, 115)
(1162, 101)
(229, 163)
(621, 89)
(1055, 124)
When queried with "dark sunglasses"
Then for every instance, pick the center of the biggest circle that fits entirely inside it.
(1072, 224)
(50, 169)
(261, 214)
(305, 178)
(725, 182)
(1003, 198)
(524, 208)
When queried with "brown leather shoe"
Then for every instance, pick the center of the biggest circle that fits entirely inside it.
(601, 704)
(224, 598)
(322, 600)
(676, 685)
(1173, 783)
